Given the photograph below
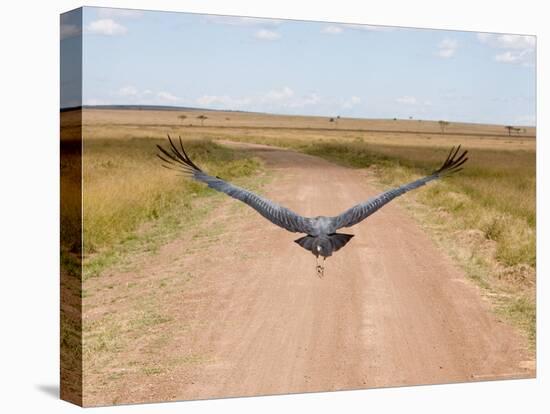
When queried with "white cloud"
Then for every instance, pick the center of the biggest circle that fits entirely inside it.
(484, 37)
(223, 101)
(265, 34)
(447, 48)
(128, 91)
(167, 97)
(517, 42)
(211, 99)
(130, 94)
(517, 49)
(351, 102)
(508, 57)
(70, 25)
(278, 94)
(511, 56)
(273, 100)
(507, 41)
(69, 30)
(108, 13)
(94, 102)
(333, 30)
(265, 26)
(283, 99)
(309, 99)
(407, 100)
(107, 27)
(286, 98)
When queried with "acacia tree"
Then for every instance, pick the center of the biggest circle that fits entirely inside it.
(509, 128)
(202, 118)
(443, 125)
(182, 117)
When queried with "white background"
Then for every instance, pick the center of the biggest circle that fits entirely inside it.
(29, 222)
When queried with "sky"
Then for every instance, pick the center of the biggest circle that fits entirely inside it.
(303, 68)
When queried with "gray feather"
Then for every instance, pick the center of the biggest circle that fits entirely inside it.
(318, 228)
(363, 210)
(281, 216)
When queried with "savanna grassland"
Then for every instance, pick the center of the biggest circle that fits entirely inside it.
(484, 217)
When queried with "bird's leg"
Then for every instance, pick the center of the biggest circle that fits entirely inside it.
(320, 267)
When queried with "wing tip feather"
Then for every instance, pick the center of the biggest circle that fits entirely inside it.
(177, 158)
(452, 163)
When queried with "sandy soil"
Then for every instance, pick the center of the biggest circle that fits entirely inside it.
(391, 310)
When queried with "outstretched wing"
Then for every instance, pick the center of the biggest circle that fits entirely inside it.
(281, 216)
(361, 211)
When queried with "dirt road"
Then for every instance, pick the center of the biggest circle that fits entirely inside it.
(391, 310)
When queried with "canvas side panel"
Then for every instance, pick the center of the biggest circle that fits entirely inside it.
(71, 206)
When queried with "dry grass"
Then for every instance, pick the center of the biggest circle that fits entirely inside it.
(485, 217)
(132, 207)
(219, 120)
(494, 194)
(70, 261)
(125, 187)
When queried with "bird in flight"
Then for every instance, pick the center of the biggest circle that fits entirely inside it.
(321, 237)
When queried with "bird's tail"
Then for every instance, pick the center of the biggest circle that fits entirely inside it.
(337, 241)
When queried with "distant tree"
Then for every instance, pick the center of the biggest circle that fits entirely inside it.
(443, 125)
(395, 119)
(410, 117)
(509, 128)
(512, 129)
(202, 118)
(182, 117)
